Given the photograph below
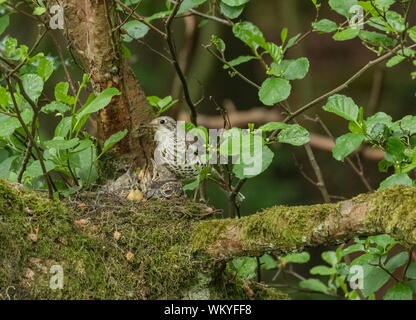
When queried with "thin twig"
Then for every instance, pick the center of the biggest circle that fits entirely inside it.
(233, 68)
(345, 84)
(29, 135)
(141, 19)
(172, 49)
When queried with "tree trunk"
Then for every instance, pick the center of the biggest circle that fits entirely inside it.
(92, 34)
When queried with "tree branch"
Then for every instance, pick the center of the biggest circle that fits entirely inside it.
(285, 229)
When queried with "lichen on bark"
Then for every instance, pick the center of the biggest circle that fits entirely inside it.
(286, 229)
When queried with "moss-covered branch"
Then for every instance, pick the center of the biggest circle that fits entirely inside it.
(115, 249)
(285, 229)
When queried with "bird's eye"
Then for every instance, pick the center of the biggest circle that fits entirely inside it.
(162, 121)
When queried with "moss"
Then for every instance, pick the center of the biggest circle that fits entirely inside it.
(393, 211)
(148, 261)
(148, 257)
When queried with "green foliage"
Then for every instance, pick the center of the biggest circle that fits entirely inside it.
(366, 274)
(379, 130)
(161, 105)
(274, 90)
(70, 153)
(134, 30)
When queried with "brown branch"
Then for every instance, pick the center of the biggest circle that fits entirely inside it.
(172, 49)
(140, 18)
(285, 229)
(345, 84)
(31, 138)
(260, 116)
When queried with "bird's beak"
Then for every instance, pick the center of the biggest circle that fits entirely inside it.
(153, 124)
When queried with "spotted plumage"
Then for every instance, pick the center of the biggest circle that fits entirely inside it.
(172, 148)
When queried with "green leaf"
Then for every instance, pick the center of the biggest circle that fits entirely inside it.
(252, 165)
(267, 262)
(238, 61)
(365, 259)
(61, 93)
(342, 106)
(396, 21)
(235, 3)
(291, 69)
(274, 90)
(192, 185)
(248, 33)
(35, 169)
(394, 61)
(55, 106)
(411, 271)
(383, 4)
(292, 41)
(84, 163)
(100, 102)
(135, 30)
(5, 167)
(231, 12)
(8, 125)
(325, 26)
(218, 42)
(377, 119)
(351, 249)
(396, 180)
(400, 291)
(4, 98)
(408, 124)
(346, 34)
(377, 39)
(382, 240)
(115, 138)
(45, 68)
(342, 6)
(4, 23)
(323, 270)
(158, 15)
(411, 32)
(272, 126)
(245, 267)
(330, 257)
(33, 85)
(39, 11)
(275, 51)
(374, 278)
(301, 257)
(63, 127)
(397, 261)
(295, 135)
(189, 4)
(313, 284)
(347, 144)
(395, 150)
(59, 143)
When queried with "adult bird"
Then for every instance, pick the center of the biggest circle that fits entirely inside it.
(173, 151)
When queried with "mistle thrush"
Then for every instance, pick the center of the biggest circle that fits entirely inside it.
(173, 151)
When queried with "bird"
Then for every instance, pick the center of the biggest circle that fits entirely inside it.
(173, 150)
(162, 184)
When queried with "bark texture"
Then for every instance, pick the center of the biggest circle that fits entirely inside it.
(92, 35)
(286, 229)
